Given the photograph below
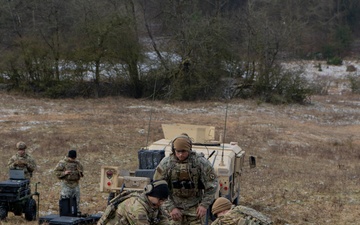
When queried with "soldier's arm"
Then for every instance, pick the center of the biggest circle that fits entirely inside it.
(31, 165)
(11, 163)
(209, 179)
(164, 219)
(160, 171)
(60, 170)
(161, 174)
(81, 170)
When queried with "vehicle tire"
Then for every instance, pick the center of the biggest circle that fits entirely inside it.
(30, 210)
(3, 212)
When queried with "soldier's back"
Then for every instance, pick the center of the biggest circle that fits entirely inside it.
(241, 215)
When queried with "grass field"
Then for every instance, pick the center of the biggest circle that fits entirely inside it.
(307, 172)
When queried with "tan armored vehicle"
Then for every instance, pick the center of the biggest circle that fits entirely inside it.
(226, 158)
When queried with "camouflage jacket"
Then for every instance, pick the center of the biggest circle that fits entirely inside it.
(137, 210)
(25, 162)
(191, 182)
(77, 171)
(241, 215)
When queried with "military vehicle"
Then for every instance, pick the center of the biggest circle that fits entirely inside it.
(226, 158)
(16, 197)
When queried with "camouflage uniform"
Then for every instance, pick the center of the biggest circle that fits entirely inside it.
(241, 215)
(70, 182)
(192, 182)
(25, 162)
(137, 210)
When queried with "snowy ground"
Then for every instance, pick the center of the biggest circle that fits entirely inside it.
(335, 78)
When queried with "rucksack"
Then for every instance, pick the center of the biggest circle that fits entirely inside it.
(110, 210)
(251, 216)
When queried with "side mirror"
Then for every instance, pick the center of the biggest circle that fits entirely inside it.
(252, 161)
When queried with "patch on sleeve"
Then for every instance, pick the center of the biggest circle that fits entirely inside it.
(159, 170)
(212, 176)
(142, 217)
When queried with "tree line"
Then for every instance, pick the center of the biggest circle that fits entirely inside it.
(201, 49)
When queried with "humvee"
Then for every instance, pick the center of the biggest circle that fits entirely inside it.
(226, 158)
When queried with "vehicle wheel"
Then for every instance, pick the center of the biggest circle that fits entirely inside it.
(3, 212)
(30, 210)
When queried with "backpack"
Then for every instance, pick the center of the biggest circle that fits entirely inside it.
(251, 216)
(110, 210)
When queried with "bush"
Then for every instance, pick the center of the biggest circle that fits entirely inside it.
(354, 83)
(337, 61)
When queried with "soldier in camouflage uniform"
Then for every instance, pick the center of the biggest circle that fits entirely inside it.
(139, 209)
(228, 214)
(22, 160)
(70, 171)
(192, 182)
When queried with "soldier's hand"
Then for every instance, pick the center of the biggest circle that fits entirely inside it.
(176, 214)
(201, 211)
(20, 163)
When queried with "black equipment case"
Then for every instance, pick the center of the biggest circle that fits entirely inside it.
(14, 190)
(67, 220)
(54, 219)
(46, 219)
(149, 159)
(68, 207)
(13, 186)
(13, 197)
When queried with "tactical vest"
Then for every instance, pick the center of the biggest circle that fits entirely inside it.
(74, 168)
(25, 158)
(184, 177)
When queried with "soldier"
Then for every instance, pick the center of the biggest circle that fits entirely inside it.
(22, 160)
(70, 171)
(192, 182)
(140, 209)
(228, 214)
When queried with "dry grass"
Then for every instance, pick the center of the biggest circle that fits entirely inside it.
(307, 156)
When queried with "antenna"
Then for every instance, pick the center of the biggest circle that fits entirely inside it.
(151, 111)
(223, 144)
(227, 97)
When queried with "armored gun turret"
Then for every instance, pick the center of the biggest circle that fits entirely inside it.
(226, 158)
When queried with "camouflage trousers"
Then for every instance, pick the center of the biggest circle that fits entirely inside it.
(189, 218)
(68, 192)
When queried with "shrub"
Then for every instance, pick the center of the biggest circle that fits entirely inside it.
(334, 61)
(354, 83)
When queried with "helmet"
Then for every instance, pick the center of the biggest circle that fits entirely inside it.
(21, 145)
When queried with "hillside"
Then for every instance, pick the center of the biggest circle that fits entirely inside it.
(307, 155)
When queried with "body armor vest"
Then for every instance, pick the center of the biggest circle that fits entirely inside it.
(75, 173)
(185, 177)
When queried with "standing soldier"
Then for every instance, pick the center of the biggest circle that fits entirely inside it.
(192, 182)
(22, 161)
(70, 171)
(228, 214)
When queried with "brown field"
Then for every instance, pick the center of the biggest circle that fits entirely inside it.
(307, 172)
